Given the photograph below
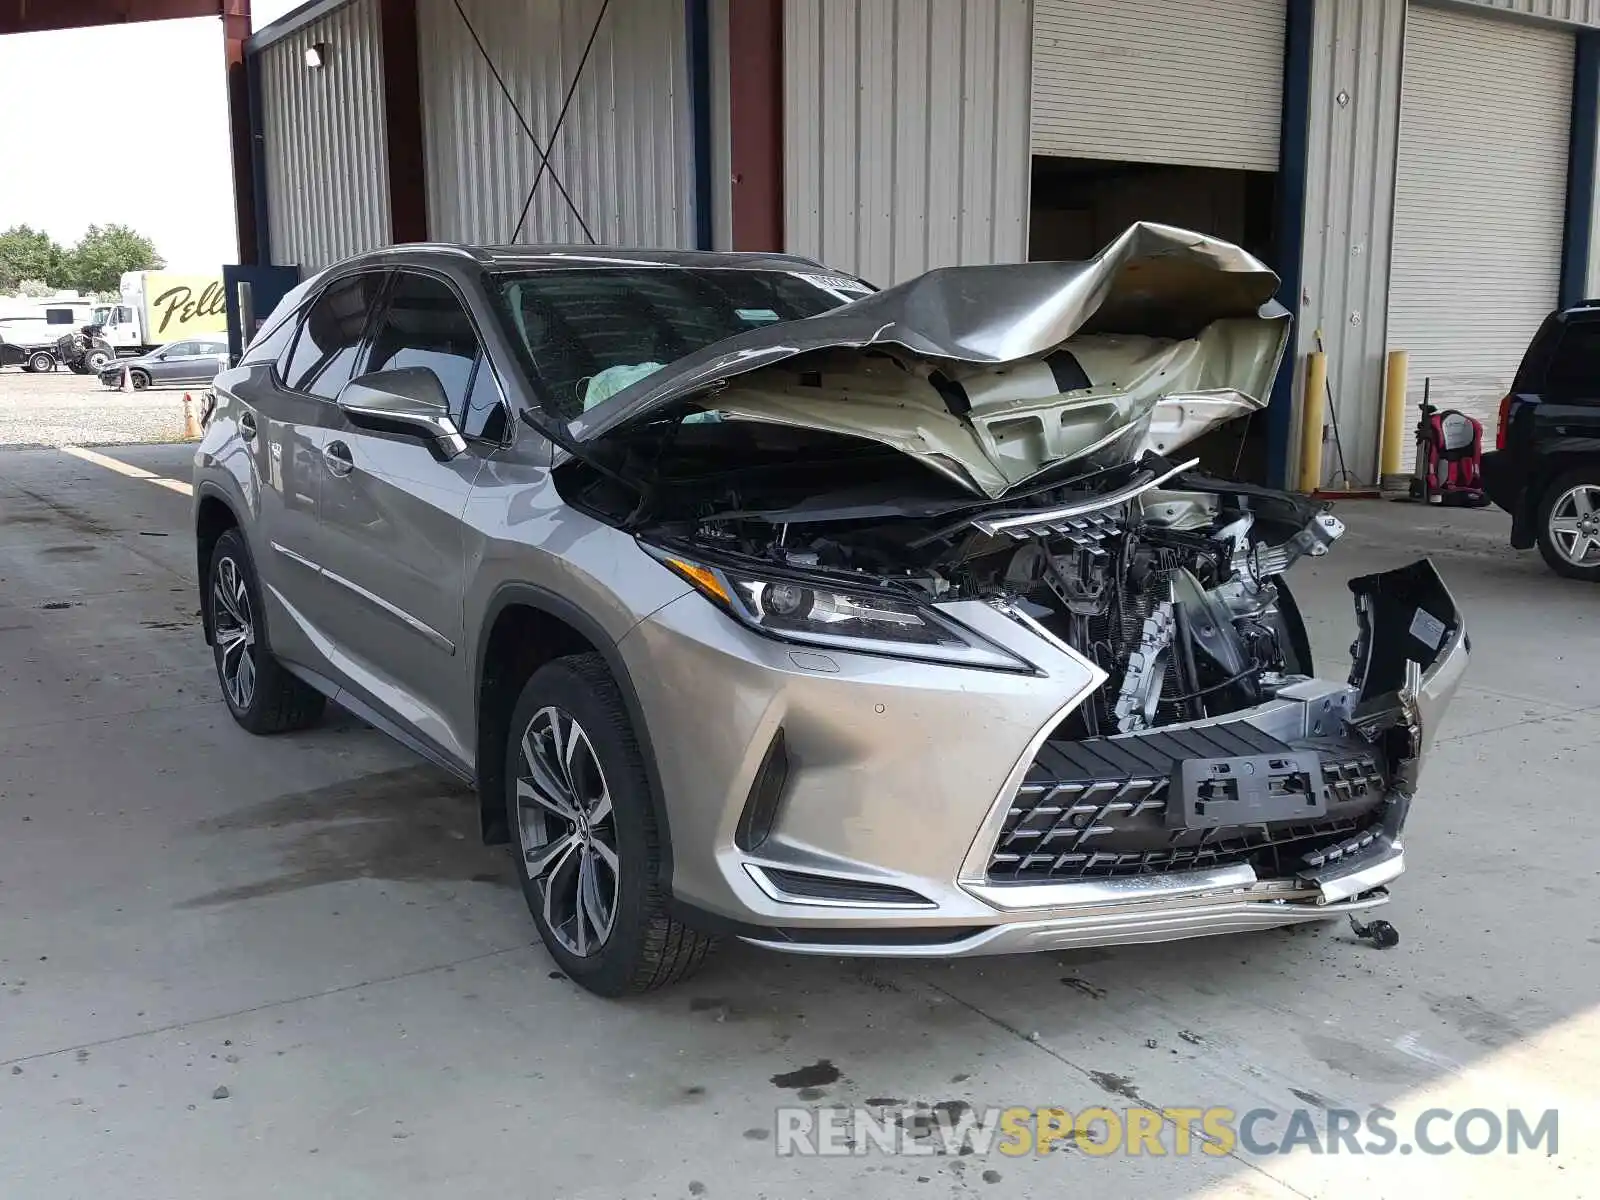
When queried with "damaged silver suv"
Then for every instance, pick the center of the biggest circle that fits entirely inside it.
(755, 602)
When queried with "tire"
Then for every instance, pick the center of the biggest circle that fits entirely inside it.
(641, 947)
(139, 380)
(273, 701)
(41, 362)
(97, 360)
(1565, 527)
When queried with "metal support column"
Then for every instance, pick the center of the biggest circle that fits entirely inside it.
(1289, 243)
(755, 103)
(248, 219)
(402, 114)
(1578, 235)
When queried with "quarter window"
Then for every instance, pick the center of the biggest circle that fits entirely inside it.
(487, 413)
(330, 337)
(1574, 372)
(425, 325)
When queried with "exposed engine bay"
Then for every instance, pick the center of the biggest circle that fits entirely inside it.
(1168, 580)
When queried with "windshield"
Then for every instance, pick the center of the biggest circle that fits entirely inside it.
(102, 313)
(592, 331)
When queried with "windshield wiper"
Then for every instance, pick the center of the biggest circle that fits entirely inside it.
(558, 433)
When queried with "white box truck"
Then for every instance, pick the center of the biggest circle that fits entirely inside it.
(154, 308)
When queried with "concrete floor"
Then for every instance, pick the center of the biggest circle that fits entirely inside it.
(309, 923)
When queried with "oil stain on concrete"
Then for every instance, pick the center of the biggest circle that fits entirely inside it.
(414, 824)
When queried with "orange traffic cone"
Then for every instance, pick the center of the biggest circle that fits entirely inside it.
(191, 427)
(127, 379)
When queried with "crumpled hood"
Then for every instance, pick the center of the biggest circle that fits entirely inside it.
(1161, 318)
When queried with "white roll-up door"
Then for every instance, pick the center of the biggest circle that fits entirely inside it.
(1196, 82)
(1480, 199)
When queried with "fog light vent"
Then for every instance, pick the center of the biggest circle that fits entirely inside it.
(761, 808)
(802, 885)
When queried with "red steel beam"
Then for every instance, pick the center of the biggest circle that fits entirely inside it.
(36, 16)
(755, 107)
(402, 114)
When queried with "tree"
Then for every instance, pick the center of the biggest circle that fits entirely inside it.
(27, 253)
(103, 253)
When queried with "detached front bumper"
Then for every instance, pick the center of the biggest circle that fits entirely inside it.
(901, 779)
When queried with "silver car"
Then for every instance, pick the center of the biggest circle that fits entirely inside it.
(755, 602)
(189, 362)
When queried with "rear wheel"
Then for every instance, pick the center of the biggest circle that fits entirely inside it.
(41, 361)
(262, 696)
(1569, 524)
(589, 852)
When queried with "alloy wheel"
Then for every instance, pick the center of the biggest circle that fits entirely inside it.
(1575, 525)
(567, 831)
(234, 630)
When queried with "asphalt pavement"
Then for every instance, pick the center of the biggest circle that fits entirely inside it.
(240, 967)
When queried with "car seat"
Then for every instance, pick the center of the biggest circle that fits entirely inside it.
(1450, 461)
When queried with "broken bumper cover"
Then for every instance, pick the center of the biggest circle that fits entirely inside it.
(896, 799)
(1140, 909)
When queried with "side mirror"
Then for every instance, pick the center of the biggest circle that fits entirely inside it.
(410, 402)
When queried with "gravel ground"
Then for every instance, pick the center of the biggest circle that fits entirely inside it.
(63, 408)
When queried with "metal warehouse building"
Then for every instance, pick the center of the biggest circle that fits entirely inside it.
(1421, 174)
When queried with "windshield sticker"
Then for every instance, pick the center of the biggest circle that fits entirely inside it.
(841, 286)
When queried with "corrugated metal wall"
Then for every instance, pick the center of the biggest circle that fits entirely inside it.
(1356, 74)
(906, 133)
(326, 155)
(1350, 157)
(1198, 82)
(624, 152)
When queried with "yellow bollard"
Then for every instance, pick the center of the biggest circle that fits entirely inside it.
(1394, 418)
(1313, 410)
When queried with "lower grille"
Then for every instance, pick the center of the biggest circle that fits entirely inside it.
(1098, 807)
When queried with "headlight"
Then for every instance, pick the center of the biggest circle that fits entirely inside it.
(820, 614)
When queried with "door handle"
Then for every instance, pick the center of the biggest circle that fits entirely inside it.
(247, 427)
(337, 456)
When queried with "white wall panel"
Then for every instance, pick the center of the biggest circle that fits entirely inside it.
(624, 152)
(906, 133)
(325, 151)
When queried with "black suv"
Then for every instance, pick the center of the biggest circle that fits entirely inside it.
(1545, 468)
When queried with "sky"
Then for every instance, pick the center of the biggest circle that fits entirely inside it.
(127, 124)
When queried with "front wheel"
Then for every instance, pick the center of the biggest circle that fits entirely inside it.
(1569, 525)
(589, 852)
(262, 696)
(97, 360)
(139, 380)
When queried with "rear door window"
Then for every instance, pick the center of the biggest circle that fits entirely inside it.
(325, 353)
(1574, 372)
